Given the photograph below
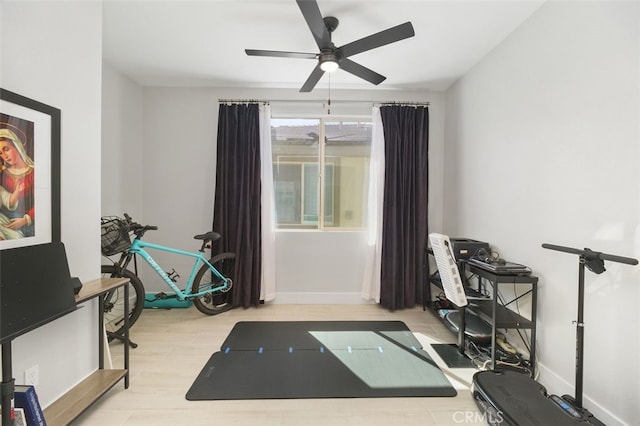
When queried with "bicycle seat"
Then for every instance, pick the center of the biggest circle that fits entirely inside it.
(212, 236)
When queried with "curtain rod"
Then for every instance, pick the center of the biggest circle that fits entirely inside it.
(322, 101)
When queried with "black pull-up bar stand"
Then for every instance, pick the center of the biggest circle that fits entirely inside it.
(594, 261)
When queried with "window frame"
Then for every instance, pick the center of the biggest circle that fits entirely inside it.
(320, 225)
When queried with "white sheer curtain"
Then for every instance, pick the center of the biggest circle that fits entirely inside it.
(268, 279)
(371, 280)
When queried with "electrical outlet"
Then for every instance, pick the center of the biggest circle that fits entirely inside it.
(32, 375)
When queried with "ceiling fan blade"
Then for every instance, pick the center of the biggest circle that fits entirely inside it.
(360, 71)
(312, 15)
(388, 36)
(313, 79)
(280, 54)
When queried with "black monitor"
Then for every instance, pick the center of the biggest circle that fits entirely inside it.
(35, 288)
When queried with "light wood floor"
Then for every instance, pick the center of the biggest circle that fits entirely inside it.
(174, 345)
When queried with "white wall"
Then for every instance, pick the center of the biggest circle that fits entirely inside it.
(178, 183)
(52, 52)
(121, 153)
(542, 146)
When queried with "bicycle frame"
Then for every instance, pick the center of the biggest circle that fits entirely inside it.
(138, 247)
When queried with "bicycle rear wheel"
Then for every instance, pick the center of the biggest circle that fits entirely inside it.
(114, 300)
(214, 303)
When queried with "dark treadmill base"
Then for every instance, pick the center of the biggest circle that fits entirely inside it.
(512, 398)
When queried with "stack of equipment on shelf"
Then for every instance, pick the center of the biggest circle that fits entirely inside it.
(500, 266)
(506, 357)
(477, 314)
(466, 248)
(476, 329)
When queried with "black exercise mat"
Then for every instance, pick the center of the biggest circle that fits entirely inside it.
(451, 355)
(282, 335)
(319, 360)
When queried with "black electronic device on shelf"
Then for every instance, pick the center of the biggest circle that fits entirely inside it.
(501, 267)
(512, 398)
(467, 248)
(35, 288)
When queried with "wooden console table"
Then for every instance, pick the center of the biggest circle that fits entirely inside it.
(79, 398)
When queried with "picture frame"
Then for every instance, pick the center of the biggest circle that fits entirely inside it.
(29, 171)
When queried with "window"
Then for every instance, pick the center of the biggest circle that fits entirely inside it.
(320, 185)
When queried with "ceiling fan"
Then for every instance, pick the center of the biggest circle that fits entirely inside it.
(331, 57)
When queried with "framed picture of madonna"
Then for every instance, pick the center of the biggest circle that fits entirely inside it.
(29, 171)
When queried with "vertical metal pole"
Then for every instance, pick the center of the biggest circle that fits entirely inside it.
(126, 334)
(534, 315)
(461, 328)
(7, 388)
(494, 318)
(101, 335)
(426, 281)
(580, 334)
(585, 256)
(462, 311)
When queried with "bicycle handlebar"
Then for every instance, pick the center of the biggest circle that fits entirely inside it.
(138, 228)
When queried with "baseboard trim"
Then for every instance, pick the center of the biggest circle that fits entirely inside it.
(320, 298)
(559, 386)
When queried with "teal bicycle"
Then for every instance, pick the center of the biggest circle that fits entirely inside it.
(207, 287)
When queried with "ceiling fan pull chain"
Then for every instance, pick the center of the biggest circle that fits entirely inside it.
(329, 99)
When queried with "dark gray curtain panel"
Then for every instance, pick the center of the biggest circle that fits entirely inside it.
(236, 214)
(405, 215)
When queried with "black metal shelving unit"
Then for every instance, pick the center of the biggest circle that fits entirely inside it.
(492, 308)
(497, 312)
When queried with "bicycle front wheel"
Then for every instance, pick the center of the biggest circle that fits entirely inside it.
(114, 300)
(214, 303)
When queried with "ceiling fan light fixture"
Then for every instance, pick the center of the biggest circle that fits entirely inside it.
(329, 66)
(329, 62)
(330, 58)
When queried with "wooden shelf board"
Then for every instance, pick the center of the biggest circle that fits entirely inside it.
(94, 288)
(78, 399)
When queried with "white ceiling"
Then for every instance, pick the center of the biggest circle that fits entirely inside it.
(201, 43)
